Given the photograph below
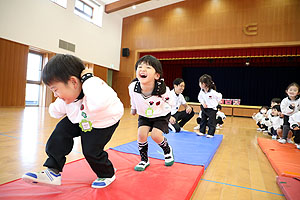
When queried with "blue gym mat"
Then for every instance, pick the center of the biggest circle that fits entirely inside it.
(188, 148)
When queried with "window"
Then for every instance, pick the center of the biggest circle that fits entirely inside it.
(34, 67)
(62, 3)
(89, 10)
(84, 8)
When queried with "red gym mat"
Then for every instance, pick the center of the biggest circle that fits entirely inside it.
(157, 182)
(284, 158)
(289, 187)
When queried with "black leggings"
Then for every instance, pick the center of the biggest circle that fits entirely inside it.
(61, 143)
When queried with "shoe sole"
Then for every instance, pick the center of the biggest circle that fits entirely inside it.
(98, 187)
(140, 169)
(33, 181)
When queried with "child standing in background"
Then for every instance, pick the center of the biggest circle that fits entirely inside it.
(90, 109)
(209, 99)
(289, 106)
(150, 99)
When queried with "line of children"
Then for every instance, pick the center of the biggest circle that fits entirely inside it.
(179, 118)
(209, 99)
(151, 100)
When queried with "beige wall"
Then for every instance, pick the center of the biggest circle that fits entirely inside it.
(206, 24)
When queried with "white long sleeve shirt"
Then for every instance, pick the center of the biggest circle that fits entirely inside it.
(159, 104)
(100, 103)
(178, 101)
(274, 121)
(210, 98)
(285, 106)
(295, 119)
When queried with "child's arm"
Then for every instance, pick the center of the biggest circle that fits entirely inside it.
(57, 109)
(286, 107)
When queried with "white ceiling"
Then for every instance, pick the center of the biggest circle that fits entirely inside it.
(143, 7)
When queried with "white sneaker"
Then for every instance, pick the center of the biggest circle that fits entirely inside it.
(290, 141)
(282, 141)
(46, 177)
(298, 146)
(197, 127)
(201, 134)
(169, 158)
(181, 129)
(141, 166)
(209, 136)
(258, 129)
(103, 182)
(217, 127)
(274, 137)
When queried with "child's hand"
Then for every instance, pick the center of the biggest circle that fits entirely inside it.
(188, 109)
(253, 114)
(133, 111)
(296, 128)
(172, 120)
(204, 105)
(86, 71)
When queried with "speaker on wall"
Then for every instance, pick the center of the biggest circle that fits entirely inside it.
(125, 52)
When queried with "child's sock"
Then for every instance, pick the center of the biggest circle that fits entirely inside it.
(165, 146)
(143, 148)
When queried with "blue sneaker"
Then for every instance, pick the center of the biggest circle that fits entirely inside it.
(103, 182)
(46, 177)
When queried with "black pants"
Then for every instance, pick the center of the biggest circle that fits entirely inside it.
(182, 118)
(93, 142)
(296, 133)
(219, 121)
(208, 118)
(286, 126)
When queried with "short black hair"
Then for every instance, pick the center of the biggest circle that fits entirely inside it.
(219, 107)
(276, 100)
(177, 81)
(61, 67)
(277, 107)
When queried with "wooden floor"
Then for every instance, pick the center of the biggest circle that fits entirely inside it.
(239, 169)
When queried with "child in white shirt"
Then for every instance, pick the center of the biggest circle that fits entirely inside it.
(220, 117)
(209, 99)
(295, 126)
(90, 109)
(151, 100)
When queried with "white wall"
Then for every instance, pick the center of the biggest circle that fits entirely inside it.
(41, 23)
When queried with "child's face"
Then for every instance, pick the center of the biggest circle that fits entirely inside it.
(202, 85)
(146, 74)
(67, 92)
(263, 110)
(292, 92)
(275, 112)
(179, 88)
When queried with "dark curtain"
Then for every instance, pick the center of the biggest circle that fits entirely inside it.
(253, 85)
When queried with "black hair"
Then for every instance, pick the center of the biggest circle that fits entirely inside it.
(156, 64)
(276, 100)
(277, 107)
(219, 107)
(293, 84)
(61, 67)
(178, 81)
(207, 80)
(265, 107)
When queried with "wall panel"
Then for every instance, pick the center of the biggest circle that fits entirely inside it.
(13, 66)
